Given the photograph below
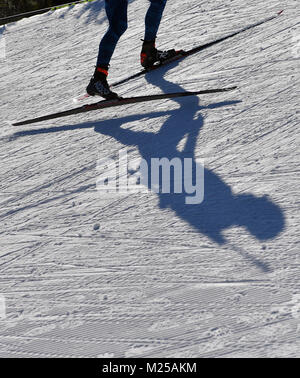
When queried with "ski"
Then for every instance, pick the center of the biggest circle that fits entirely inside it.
(183, 54)
(119, 102)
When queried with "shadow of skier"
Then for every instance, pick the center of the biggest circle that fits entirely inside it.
(220, 208)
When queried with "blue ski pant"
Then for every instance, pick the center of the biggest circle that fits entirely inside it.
(116, 11)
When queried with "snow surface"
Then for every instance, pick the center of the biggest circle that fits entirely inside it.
(87, 274)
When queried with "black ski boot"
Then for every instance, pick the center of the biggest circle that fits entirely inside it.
(150, 55)
(98, 85)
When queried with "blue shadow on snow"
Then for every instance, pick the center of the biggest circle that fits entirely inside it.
(221, 209)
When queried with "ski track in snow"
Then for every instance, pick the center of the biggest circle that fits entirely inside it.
(154, 280)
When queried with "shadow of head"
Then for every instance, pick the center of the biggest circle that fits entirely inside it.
(221, 210)
(260, 216)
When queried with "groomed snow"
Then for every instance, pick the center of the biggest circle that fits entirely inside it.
(85, 273)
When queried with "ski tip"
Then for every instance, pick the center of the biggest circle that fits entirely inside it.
(228, 89)
(18, 123)
(280, 12)
(15, 123)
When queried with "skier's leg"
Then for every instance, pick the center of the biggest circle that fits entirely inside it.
(153, 18)
(149, 54)
(116, 11)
